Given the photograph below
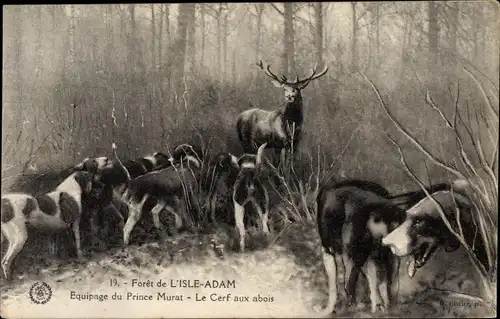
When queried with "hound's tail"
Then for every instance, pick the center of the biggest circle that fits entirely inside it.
(125, 170)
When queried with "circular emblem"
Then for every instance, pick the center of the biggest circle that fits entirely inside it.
(40, 293)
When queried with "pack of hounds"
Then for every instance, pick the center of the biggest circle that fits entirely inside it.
(362, 226)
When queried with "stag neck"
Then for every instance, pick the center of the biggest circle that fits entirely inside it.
(293, 112)
(295, 105)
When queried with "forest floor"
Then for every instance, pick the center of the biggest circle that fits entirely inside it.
(290, 270)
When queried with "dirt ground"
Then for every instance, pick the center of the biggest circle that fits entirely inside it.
(287, 268)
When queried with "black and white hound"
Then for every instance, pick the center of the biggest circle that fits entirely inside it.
(109, 171)
(423, 230)
(113, 172)
(353, 217)
(223, 170)
(168, 187)
(248, 188)
(115, 175)
(54, 211)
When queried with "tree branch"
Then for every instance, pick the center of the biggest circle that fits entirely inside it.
(481, 269)
(277, 9)
(488, 102)
(463, 155)
(409, 136)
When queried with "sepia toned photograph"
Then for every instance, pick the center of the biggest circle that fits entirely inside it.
(250, 160)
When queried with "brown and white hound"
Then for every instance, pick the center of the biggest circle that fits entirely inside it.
(53, 211)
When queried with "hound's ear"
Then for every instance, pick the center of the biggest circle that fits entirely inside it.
(84, 179)
(276, 83)
(451, 244)
(90, 165)
(234, 162)
(81, 165)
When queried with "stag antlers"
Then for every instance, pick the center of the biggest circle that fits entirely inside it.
(298, 83)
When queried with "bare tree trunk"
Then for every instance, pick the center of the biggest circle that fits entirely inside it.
(219, 38)
(53, 30)
(38, 44)
(181, 44)
(224, 46)
(70, 58)
(260, 11)
(202, 32)
(191, 39)
(370, 40)
(153, 37)
(318, 9)
(160, 34)
(406, 17)
(72, 35)
(354, 49)
(433, 31)
(130, 45)
(233, 69)
(109, 37)
(169, 57)
(454, 21)
(13, 47)
(136, 43)
(289, 55)
(454, 27)
(131, 64)
(167, 24)
(477, 17)
(377, 31)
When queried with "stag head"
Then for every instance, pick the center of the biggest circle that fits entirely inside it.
(291, 88)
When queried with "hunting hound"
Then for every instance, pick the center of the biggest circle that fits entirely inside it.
(280, 129)
(248, 188)
(353, 217)
(54, 211)
(224, 170)
(115, 175)
(168, 188)
(424, 231)
(109, 171)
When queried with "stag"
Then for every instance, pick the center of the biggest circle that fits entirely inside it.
(280, 129)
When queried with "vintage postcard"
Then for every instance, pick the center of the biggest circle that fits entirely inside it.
(250, 160)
